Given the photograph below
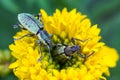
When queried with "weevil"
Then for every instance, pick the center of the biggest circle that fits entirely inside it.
(63, 52)
(36, 27)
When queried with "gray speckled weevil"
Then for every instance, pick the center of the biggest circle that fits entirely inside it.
(63, 52)
(36, 27)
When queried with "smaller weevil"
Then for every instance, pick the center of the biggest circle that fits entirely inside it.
(64, 52)
(36, 27)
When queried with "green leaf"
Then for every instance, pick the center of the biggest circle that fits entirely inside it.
(9, 5)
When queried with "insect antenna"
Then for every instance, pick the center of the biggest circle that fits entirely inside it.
(73, 40)
(23, 36)
(86, 55)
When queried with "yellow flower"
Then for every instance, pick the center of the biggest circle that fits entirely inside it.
(63, 26)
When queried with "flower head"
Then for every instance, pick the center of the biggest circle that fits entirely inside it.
(64, 26)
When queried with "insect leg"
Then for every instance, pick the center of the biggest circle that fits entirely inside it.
(73, 40)
(39, 44)
(17, 25)
(40, 58)
(23, 36)
(51, 35)
(49, 52)
(90, 54)
(58, 45)
(38, 16)
(82, 56)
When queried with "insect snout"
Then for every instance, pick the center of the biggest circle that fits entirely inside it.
(75, 48)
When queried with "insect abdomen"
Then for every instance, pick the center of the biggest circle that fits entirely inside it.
(29, 22)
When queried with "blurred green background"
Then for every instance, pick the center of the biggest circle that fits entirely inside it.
(105, 13)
